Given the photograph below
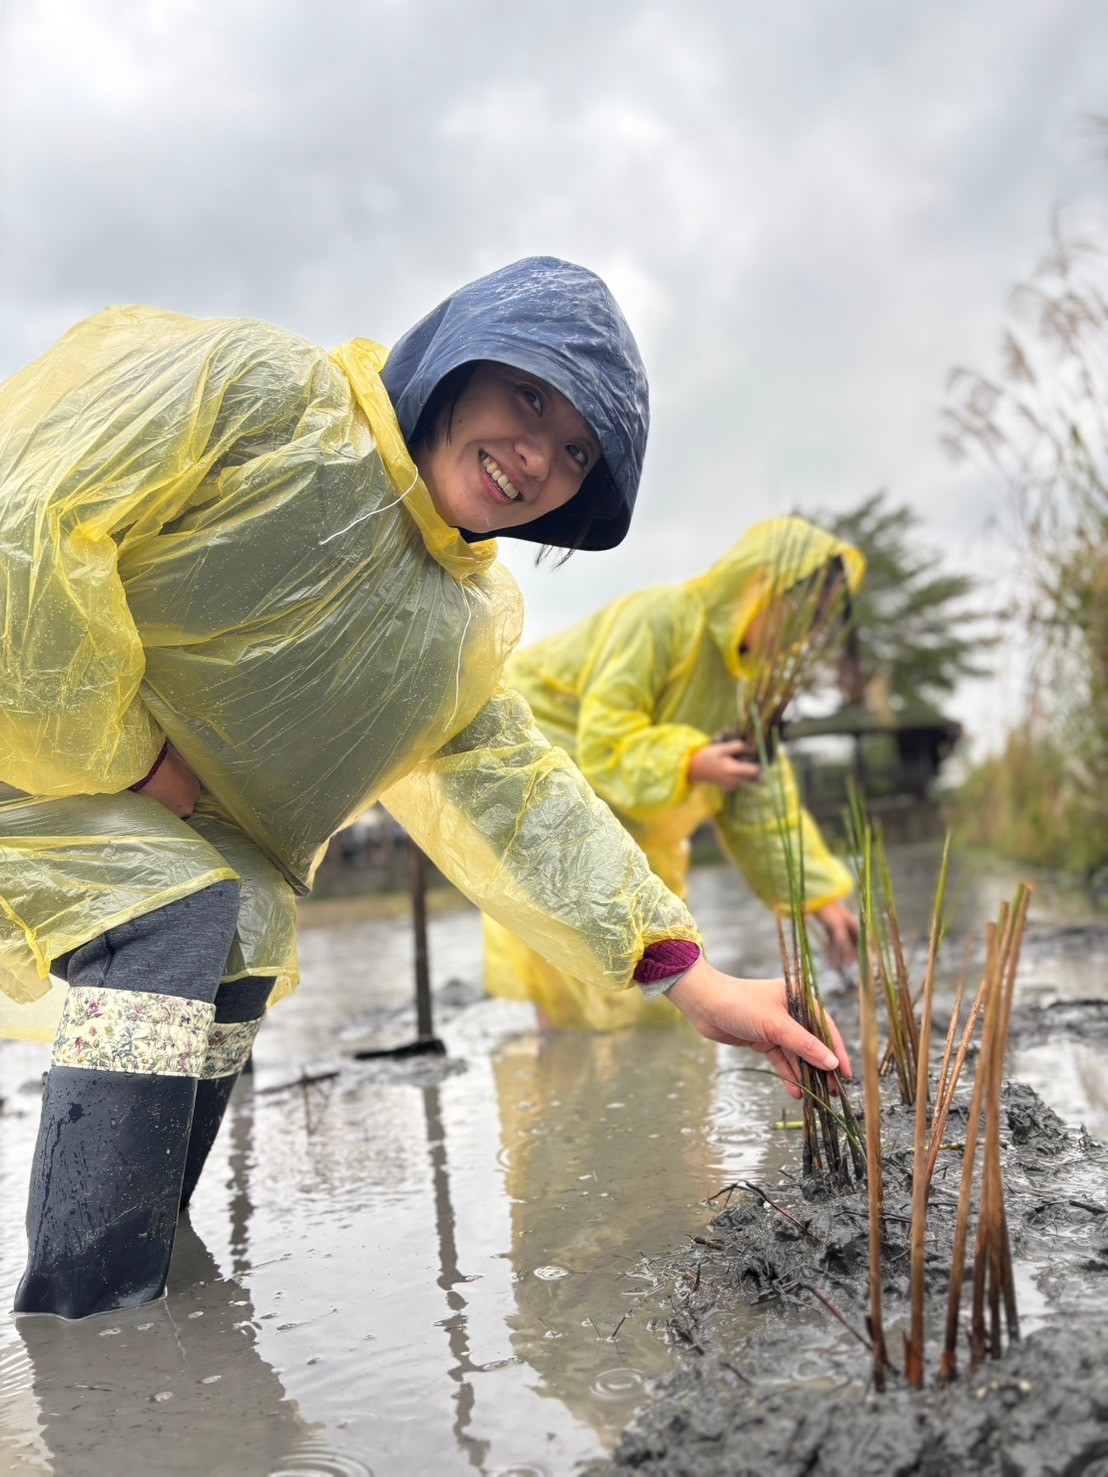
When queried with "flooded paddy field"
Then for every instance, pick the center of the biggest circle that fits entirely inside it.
(473, 1264)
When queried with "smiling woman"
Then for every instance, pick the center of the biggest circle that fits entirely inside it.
(498, 448)
(240, 612)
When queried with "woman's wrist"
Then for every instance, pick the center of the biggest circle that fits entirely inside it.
(158, 762)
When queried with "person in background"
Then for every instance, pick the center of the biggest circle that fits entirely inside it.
(638, 693)
(251, 587)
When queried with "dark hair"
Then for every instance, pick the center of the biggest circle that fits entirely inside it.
(831, 584)
(435, 423)
(437, 416)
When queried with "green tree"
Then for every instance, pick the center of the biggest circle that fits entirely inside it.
(916, 634)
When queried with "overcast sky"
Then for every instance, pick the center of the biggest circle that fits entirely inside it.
(809, 211)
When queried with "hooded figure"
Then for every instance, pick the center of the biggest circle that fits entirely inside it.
(248, 592)
(214, 533)
(633, 693)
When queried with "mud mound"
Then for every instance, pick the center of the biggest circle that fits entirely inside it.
(1042, 1409)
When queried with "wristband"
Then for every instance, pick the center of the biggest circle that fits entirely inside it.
(158, 762)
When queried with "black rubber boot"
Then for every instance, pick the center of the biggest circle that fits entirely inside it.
(237, 1004)
(105, 1190)
(212, 1096)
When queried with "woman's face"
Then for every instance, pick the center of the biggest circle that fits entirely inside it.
(793, 620)
(515, 449)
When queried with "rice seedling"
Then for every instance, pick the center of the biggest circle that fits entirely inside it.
(885, 946)
(824, 1151)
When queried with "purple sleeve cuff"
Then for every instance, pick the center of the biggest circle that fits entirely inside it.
(663, 961)
(149, 775)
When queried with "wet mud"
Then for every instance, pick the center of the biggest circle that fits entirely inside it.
(797, 1397)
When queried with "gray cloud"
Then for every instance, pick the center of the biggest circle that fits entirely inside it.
(809, 212)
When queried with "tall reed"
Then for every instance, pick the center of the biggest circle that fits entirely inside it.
(913, 1343)
(871, 1081)
(993, 1286)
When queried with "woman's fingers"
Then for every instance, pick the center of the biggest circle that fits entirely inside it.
(839, 1047)
(793, 1037)
(786, 1068)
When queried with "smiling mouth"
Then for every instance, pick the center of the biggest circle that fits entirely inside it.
(500, 478)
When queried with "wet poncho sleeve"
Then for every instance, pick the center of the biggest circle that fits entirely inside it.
(639, 765)
(750, 826)
(123, 440)
(510, 820)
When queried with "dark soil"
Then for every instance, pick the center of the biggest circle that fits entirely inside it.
(1042, 1408)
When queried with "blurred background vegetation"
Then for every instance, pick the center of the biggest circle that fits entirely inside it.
(1041, 422)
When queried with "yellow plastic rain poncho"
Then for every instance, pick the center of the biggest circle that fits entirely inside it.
(213, 531)
(632, 693)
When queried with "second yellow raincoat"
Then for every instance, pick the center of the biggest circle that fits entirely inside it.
(632, 693)
(212, 531)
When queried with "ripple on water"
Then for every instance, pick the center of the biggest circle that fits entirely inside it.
(313, 1458)
(550, 1274)
(16, 1373)
(616, 1384)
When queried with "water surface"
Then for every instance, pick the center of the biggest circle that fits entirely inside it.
(406, 1269)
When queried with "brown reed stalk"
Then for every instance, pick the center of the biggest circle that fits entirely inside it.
(993, 1279)
(945, 1098)
(948, 1364)
(871, 1080)
(905, 1005)
(948, 1047)
(978, 1330)
(913, 1342)
(1002, 1260)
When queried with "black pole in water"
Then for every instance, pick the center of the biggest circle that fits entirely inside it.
(426, 1041)
(418, 873)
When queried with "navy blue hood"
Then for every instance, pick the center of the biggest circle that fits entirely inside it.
(560, 322)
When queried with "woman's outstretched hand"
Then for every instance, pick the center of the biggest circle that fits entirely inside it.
(841, 926)
(724, 765)
(754, 1013)
(173, 785)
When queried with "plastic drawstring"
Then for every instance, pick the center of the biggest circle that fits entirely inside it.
(372, 513)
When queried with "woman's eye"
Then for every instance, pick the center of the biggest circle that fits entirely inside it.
(532, 396)
(579, 455)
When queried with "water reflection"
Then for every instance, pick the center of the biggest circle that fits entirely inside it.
(606, 1164)
(175, 1386)
(450, 1279)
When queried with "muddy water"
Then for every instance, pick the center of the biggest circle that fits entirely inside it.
(417, 1267)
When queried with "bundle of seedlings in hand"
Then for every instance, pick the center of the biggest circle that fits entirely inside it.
(885, 943)
(802, 626)
(826, 1108)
